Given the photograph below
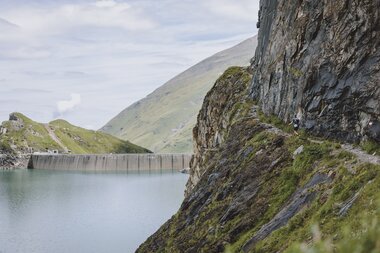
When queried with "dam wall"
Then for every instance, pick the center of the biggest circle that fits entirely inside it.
(111, 162)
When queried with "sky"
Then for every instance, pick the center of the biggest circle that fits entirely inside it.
(87, 60)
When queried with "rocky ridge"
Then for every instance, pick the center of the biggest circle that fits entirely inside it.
(256, 188)
(222, 105)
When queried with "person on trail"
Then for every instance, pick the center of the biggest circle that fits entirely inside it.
(296, 124)
(373, 130)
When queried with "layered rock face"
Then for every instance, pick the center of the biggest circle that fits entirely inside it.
(222, 105)
(13, 161)
(256, 188)
(320, 60)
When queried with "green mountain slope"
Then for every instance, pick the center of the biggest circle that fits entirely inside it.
(163, 121)
(23, 135)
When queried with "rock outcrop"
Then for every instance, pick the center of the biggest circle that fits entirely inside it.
(225, 102)
(250, 191)
(256, 188)
(320, 60)
(13, 161)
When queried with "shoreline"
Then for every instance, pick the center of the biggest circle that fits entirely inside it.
(14, 161)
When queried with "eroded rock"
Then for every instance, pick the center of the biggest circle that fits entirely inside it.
(321, 61)
(219, 109)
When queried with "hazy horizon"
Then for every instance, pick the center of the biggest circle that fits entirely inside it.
(85, 61)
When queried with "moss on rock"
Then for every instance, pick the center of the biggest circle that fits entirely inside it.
(255, 194)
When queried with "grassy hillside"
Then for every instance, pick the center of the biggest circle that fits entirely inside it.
(26, 135)
(163, 121)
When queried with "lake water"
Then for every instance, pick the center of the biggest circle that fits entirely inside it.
(49, 211)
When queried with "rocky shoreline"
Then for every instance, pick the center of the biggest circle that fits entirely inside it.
(14, 161)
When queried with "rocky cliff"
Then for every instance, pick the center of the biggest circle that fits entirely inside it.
(321, 61)
(225, 102)
(255, 186)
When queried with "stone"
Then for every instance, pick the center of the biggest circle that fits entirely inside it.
(13, 117)
(3, 130)
(13, 161)
(185, 171)
(348, 204)
(214, 119)
(302, 197)
(16, 122)
(318, 60)
(298, 151)
(321, 60)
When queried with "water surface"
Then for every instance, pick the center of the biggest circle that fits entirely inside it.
(50, 211)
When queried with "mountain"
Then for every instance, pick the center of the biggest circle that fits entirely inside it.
(163, 121)
(23, 135)
(256, 185)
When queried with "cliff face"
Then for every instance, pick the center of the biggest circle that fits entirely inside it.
(256, 188)
(223, 104)
(321, 61)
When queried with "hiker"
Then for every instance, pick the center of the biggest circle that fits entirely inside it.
(373, 130)
(296, 124)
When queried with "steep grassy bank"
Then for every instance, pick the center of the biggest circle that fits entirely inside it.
(259, 189)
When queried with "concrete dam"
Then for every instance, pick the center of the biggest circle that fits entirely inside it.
(111, 162)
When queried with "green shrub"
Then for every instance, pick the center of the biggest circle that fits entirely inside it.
(371, 147)
(305, 160)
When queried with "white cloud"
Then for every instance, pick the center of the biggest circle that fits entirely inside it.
(57, 20)
(106, 3)
(25, 53)
(5, 24)
(241, 10)
(65, 106)
(112, 52)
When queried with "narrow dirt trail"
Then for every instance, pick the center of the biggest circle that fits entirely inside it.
(362, 155)
(358, 152)
(55, 138)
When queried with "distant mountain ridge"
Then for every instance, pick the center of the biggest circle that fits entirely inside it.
(163, 121)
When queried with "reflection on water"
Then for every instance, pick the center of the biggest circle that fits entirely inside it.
(47, 211)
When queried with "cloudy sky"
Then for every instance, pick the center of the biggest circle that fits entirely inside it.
(86, 60)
